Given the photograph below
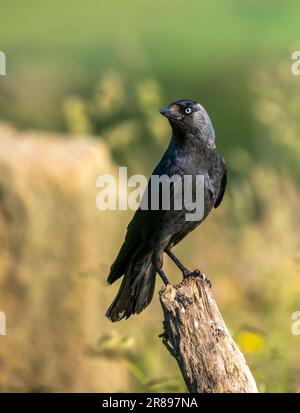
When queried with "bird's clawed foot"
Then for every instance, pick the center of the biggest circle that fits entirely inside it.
(197, 273)
(186, 273)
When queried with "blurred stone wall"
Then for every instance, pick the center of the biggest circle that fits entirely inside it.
(54, 253)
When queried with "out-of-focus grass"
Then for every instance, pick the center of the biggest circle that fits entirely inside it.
(79, 27)
(130, 136)
(195, 49)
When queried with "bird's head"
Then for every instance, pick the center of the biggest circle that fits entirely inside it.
(189, 119)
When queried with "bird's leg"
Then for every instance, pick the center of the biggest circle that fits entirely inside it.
(163, 276)
(179, 264)
(157, 261)
(187, 273)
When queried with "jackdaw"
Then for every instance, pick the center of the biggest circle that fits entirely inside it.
(155, 231)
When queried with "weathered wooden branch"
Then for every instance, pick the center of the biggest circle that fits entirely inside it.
(196, 335)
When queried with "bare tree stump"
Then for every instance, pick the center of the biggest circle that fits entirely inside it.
(196, 335)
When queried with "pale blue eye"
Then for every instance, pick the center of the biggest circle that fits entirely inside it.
(188, 111)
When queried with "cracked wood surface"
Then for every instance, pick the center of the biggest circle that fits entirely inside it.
(196, 335)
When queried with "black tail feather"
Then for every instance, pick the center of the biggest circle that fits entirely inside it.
(134, 295)
(118, 268)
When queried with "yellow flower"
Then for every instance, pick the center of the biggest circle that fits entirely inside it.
(250, 342)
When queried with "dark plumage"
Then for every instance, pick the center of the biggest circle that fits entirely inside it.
(150, 233)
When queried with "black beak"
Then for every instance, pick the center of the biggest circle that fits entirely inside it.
(165, 111)
(170, 113)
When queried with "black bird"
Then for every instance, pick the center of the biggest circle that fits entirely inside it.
(150, 233)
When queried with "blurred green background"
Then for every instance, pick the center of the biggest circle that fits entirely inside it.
(85, 81)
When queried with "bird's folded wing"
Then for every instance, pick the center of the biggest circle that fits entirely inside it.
(222, 187)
